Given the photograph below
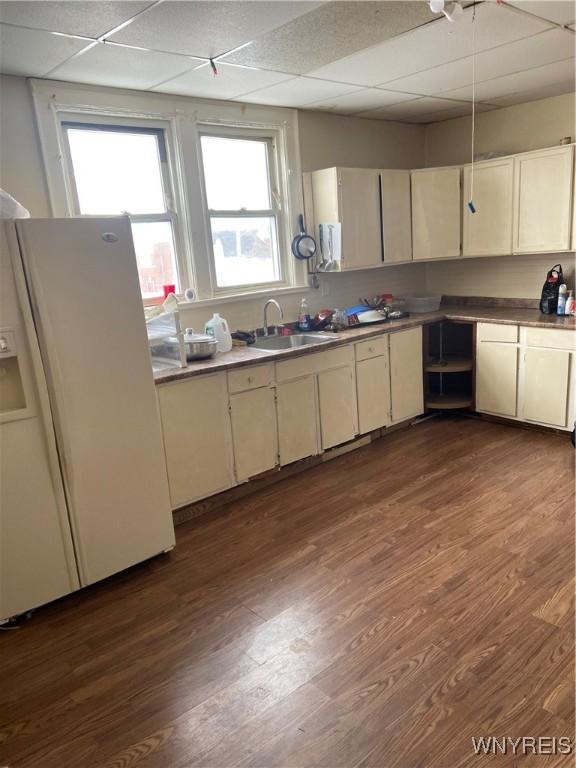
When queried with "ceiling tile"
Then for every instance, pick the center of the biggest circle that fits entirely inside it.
(544, 48)
(330, 32)
(120, 67)
(231, 82)
(560, 11)
(534, 94)
(414, 107)
(208, 28)
(463, 110)
(75, 18)
(548, 75)
(298, 92)
(360, 101)
(432, 45)
(31, 53)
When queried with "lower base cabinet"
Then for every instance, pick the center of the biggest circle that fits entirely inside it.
(406, 377)
(373, 388)
(337, 397)
(297, 419)
(496, 378)
(254, 433)
(546, 386)
(197, 440)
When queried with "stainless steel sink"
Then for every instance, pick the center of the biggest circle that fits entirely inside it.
(272, 343)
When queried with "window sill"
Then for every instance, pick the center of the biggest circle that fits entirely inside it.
(251, 296)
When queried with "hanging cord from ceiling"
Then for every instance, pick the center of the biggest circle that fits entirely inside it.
(471, 206)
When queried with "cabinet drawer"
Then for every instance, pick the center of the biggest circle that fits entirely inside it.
(310, 364)
(250, 378)
(371, 348)
(496, 332)
(553, 338)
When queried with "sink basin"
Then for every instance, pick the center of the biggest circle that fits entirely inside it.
(273, 343)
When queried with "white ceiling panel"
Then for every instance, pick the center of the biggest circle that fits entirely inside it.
(462, 110)
(298, 92)
(208, 28)
(361, 101)
(544, 48)
(431, 45)
(533, 94)
(120, 67)
(559, 11)
(231, 82)
(413, 108)
(31, 53)
(75, 18)
(548, 75)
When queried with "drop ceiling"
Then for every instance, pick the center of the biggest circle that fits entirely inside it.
(381, 60)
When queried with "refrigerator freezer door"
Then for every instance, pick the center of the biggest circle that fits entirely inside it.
(37, 563)
(89, 319)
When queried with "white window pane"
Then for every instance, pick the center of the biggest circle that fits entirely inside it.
(236, 174)
(154, 246)
(116, 172)
(245, 251)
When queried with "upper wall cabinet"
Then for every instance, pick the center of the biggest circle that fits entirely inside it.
(543, 200)
(396, 216)
(436, 213)
(488, 232)
(351, 196)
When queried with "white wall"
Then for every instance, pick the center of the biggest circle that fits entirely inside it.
(325, 140)
(21, 170)
(521, 128)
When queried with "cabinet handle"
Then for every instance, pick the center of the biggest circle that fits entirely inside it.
(250, 379)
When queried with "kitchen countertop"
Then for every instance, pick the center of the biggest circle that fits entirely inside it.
(243, 356)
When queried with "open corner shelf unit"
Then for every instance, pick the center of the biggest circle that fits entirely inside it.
(449, 366)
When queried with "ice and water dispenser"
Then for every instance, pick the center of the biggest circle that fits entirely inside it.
(12, 395)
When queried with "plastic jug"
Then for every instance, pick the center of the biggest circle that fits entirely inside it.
(218, 328)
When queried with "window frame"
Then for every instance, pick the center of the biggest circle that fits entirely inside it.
(181, 117)
(276, 211)
(122, 125)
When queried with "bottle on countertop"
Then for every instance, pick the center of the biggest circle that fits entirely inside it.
(304, 323)
(218, 328)
(562, 299)
(569, 308)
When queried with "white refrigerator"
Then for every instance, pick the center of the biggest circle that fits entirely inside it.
(83, 484)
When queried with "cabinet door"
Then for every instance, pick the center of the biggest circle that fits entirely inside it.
(543, 200)
(488, 232)
(337, 398)
(359, 195)
(197, 441)
(373, 389)
(496, 378)
(297, 419)
(396, 216)
(545, 391)
(436, 212)
(254, 433)
(406, 374)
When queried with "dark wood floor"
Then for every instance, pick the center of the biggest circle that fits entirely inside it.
(376, 611)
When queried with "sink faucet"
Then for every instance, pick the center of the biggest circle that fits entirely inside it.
(271, 301)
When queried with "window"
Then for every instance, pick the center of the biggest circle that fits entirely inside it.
(118, 170)
(241, 192)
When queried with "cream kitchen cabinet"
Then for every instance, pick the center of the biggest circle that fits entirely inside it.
(406, 374)
(543, 200)
(350, 196)
(436, 213)
(298, 432)
(254, 432)
(488, 232)
(496, 378)
(197, 437)
(396, 216)
(373, 384)
(338, 411)
(547, 373)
